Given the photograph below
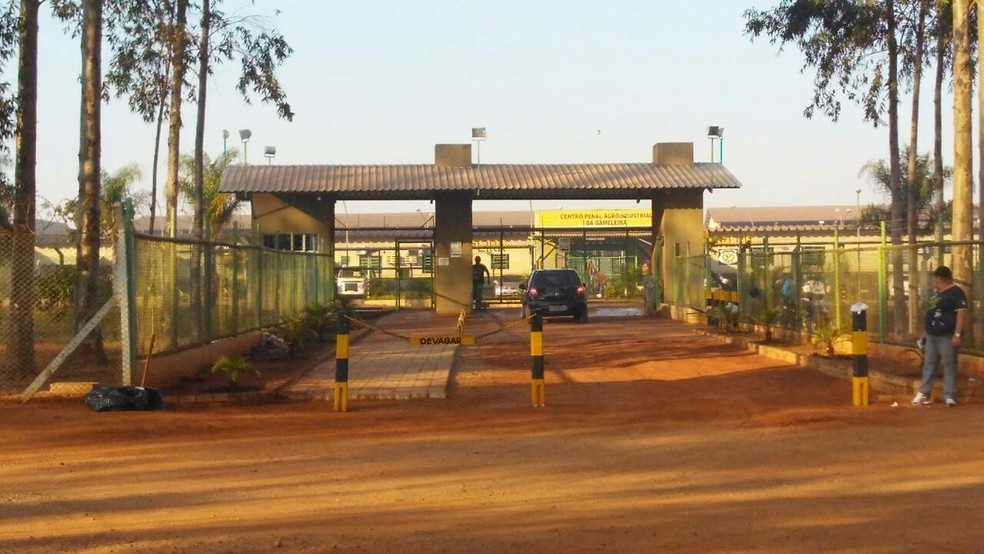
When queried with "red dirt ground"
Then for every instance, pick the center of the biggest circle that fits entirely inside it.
(654, 439)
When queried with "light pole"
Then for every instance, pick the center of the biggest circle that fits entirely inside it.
(716, 132)
(225, 140)
(244, 135)
(270, 152)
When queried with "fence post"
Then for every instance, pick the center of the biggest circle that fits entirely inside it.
(797, 290)
(740, 285)
(882, 289)
(258, 242)
(126, 291)
(837, 280)
(235, 279)
(341, 363)
(766, 269)
(859, 340)
(208, 317)
(536, 353)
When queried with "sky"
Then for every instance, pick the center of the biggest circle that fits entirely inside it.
(552, 81)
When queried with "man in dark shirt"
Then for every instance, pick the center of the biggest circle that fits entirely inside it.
(946, 315)
(480, 276)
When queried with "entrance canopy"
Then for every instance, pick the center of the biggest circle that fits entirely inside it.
(625, 181)
(301, 199)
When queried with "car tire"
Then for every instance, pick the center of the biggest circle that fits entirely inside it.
(582, 317)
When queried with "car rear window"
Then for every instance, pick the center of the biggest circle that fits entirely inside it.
(556, 279)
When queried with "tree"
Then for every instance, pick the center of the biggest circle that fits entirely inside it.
(919, 195)
(89, 177)
(178, 64)
(963, 180)
(854, 47)
(943, 31)
(219, 207)
(140, 57)
(25, 178)
(912, 162)
(115, 188)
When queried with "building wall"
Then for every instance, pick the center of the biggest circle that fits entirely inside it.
(274, 215)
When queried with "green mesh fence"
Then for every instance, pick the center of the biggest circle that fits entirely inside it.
(813, 286)
(189, 293)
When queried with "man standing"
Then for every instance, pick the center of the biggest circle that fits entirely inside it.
(480, 276)
(946, 316)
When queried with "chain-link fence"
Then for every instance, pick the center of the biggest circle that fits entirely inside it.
(189, 292)
(809, 287)
(38, 285)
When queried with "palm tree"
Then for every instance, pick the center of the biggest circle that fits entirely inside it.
(220, 206)
(878, 174)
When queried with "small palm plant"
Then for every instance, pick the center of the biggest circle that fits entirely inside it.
(319, 317)
(827, 337)
(233, 366)
(295, 331)
(768, 318)
(723, 316)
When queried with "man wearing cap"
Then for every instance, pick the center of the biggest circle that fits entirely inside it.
(946, 316)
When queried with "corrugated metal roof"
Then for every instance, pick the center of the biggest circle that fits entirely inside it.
(489, 182)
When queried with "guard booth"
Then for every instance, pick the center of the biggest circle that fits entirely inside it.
(302, 199)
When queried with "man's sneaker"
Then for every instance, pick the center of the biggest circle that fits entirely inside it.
(920, 399)
(951, 403)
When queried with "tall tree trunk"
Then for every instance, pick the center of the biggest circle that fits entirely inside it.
(25, 193)
(165, 15)
(200, 206)
(912, 220)
(180, 38)
(963, 157)
(203, 56)
(898, 268)
(157, 154)
(980, 144)
(89, 175)
(941, 51)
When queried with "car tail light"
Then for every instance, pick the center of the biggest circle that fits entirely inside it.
(580, 291)
(533, 292)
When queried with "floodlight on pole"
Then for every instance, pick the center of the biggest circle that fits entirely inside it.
(270, 152)
(478, 135)
(244, 135)
(716, 132)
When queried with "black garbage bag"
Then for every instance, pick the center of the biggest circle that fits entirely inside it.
(118, 399)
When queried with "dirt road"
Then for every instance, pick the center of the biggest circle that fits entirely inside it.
(654, 439)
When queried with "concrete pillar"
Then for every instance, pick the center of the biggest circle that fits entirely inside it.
(453, 251)
(678, 218)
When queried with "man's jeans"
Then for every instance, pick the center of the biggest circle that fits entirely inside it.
(938, 348)
(477, 289)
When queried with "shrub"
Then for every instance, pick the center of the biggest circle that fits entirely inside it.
(233, 366)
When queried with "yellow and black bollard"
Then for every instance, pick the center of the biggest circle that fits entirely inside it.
(536, 352)
(859, 340)
(341, 363)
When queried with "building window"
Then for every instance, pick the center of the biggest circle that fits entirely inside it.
(300, 242)
(370, 261)
(813, 257)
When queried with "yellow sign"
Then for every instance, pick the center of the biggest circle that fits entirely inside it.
(464, 340)
(595, 218)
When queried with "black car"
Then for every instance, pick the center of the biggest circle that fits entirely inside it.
(556, 292)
